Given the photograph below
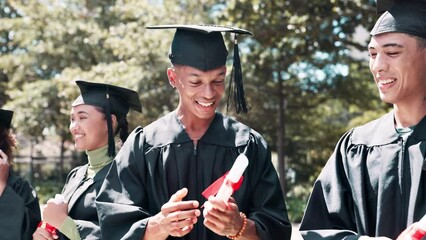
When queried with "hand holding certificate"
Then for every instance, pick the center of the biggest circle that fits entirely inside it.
(220, 210)
(52, 230)
(415, 231)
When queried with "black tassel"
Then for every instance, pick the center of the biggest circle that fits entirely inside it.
(111, 145)
(236, 86)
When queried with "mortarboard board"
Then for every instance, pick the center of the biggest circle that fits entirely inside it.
(403, 16)
(112, 99)
(5, 118)
(202, 47)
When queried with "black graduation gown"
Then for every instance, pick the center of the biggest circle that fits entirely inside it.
(19, 210)
(371, 185)
(80, 193)
(160, 159)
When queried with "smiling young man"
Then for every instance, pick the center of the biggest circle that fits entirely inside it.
(154, 188)
(374, 184)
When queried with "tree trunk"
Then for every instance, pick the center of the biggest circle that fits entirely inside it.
(281, 136)
(31, 166)
(61, 160)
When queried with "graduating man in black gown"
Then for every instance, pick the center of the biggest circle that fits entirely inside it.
(374, 184)
(153, 189)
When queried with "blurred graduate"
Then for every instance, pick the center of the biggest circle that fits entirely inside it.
(19, 207)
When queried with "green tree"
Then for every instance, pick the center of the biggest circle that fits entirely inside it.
(300, 73)
(6, 12)
(304, 84)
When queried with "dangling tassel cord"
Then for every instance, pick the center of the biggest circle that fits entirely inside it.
(236, 86)
(111, 145)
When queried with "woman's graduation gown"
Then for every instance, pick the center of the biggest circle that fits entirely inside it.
(80, 192)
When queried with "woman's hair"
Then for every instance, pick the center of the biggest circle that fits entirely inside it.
(7, 142)
(122, 125)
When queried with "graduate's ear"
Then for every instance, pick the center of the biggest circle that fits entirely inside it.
(172, 75)
(114, 122)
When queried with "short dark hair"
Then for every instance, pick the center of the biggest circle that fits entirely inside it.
(421, 42)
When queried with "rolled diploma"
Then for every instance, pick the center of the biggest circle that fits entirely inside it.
(234, 175)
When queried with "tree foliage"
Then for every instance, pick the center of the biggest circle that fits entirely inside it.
(304, 78)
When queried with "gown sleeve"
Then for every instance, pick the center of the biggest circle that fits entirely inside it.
(330, 210)
(20, 210)
(268, 208)
(122, 193)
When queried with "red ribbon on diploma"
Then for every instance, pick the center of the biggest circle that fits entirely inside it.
(214, 187)
(51, 229)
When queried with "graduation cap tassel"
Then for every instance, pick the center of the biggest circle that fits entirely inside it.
(237, 78)
(111, 145)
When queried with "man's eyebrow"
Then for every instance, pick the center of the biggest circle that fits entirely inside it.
(393, 45)
(80, 112)
(397, 45)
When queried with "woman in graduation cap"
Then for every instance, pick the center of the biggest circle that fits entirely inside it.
(374, 184)
(154, 188)
(96, 116)
(19, 208)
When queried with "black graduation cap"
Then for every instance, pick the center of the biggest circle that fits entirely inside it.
(202, 47)
(404, 16)
(112, 99)
(5, 118)
(383, 5)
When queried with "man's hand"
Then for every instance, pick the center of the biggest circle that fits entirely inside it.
(221, 217)
(412, 232)
(177, 218)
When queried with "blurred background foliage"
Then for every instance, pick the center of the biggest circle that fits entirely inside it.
(305, 70)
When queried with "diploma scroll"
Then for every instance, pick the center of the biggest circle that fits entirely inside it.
(226, 185)
(232, 178)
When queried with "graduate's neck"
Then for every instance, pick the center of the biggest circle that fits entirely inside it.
(195, 127)
(407, 116)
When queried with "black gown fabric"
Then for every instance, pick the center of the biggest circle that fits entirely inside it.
(160, 159)
(19, 210)
(374, 184)
(80, 192)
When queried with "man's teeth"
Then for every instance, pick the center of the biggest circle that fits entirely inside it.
(205, 104)
(387, 81)
(78, 135)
